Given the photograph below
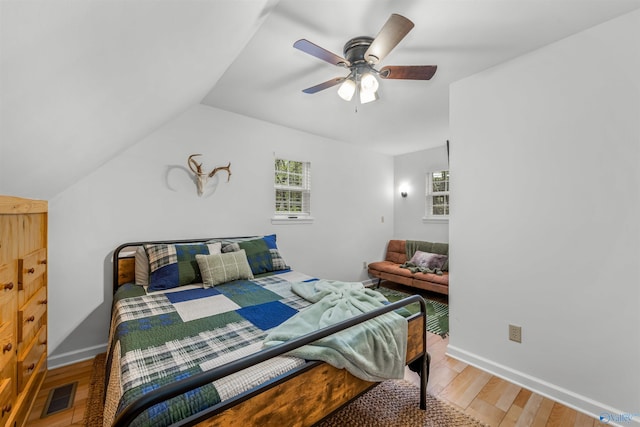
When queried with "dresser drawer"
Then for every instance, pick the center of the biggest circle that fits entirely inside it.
(30, 362)
(8, 277)
(31, 267)
(7, 344)
(8, 292)
(30, 314)
(6, 400)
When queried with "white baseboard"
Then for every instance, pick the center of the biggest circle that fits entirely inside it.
(64, 359)
(611, 416)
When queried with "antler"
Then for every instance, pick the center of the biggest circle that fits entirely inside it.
(203, 177)
(222, 168)
(192, 163)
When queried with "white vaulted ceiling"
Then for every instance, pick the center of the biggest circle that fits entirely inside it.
(82, 80)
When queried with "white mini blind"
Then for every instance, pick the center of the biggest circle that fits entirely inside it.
(437, 197)
(292, 181)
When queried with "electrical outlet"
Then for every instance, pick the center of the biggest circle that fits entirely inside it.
(515, 333)
(364, 264)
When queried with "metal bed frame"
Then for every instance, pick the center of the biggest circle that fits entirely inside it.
(126, 416)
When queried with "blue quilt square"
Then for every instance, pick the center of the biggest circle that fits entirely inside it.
(191, 294)
(268, 315)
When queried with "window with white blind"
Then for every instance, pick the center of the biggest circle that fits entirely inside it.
(437, 197)
(292, 181)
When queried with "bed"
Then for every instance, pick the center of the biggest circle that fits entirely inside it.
(187, 347)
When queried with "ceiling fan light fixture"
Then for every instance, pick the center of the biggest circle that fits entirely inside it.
(347, 89)
(361, 54)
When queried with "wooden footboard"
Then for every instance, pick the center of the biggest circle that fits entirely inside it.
(308, 397)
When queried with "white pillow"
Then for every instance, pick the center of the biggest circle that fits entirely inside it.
(142, 267)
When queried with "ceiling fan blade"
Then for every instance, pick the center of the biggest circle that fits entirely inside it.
(408, 72)
(314, 50)
(325, 85)
(393, 31)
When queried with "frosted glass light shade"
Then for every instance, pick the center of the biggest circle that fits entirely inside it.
(368, 83)
(367, 96)
(347, 89)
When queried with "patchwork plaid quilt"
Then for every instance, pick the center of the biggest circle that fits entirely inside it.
(158, 338)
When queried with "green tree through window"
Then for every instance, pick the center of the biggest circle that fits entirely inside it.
(437, 198)
(292, 187)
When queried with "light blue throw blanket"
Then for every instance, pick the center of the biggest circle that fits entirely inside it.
(375, 350)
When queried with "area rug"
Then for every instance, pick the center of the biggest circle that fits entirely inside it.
(95, 400)
(389, 404)
(395, 403)
(437, 312)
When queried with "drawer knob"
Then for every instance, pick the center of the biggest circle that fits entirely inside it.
(30, 367)
(43, 342)
(6, 409)
(43, 302)
(31, 270)
(44, 262)
(6, 348)
(8, 286)
(30, 319)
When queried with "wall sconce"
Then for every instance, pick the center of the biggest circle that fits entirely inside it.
(404, 190)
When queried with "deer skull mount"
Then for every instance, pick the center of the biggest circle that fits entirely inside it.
(203, 177)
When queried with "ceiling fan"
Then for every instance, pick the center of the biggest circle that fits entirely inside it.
(361, 55)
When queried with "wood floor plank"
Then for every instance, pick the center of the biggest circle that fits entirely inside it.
(561, 416)
(499, 393)
(439, 378)
(522, 398)
(465, 387)
(583, 420)
(530, 408)
(485, 412)
(512, 416)
(542, 415)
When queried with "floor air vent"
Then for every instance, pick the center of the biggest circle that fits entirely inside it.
(59, 399)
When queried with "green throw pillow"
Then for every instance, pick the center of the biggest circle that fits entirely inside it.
(222, 268)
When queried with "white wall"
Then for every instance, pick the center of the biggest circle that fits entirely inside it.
(411, 170)
(146, 193)
(544, 232)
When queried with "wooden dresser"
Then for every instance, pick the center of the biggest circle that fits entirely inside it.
(23, 305)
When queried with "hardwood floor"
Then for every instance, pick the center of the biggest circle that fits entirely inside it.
(80, 372)
(490, 399)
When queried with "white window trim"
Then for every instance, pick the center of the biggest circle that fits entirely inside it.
(435, 219)
(429, 217)
(290, 220)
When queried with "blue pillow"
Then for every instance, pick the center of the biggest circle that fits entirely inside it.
(173, 265)
(262, 253)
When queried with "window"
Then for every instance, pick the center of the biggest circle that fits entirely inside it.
(292, 189)
(437, 195)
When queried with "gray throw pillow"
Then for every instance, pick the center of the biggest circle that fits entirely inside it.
(429, 260)
(222, 268)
